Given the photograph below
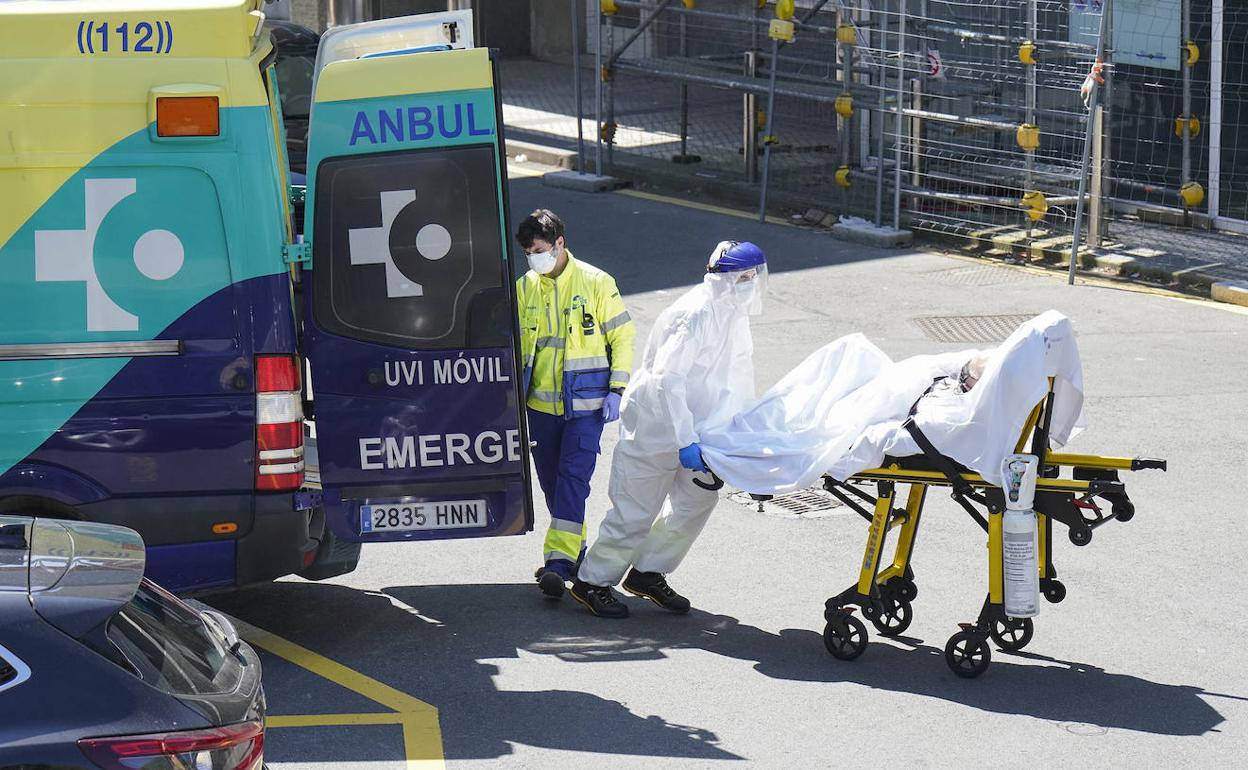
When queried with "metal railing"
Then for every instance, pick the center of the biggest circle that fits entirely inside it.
(1032, 120)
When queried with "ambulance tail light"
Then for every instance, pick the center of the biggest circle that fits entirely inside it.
(279, 424)
(188, 116)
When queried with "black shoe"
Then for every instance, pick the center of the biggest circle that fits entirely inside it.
(653, 586)
(550, 582)
(600, 600)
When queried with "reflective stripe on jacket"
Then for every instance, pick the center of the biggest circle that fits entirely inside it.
(576, 339)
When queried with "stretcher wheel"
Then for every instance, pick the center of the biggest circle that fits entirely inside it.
(893, 619)
(1081, 535)
(968, 654)
(1012, 634)
(1124, 510)
(1054, 591)
(845, 638)
(907, 589)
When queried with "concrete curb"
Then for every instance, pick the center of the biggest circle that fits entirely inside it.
(870, 235)
(547, 156)
(1232, 292)
(575, 180)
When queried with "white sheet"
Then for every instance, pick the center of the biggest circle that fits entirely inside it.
(840, 411)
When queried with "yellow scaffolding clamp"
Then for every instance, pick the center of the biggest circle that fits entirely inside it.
(605, 73)
(760, 120)
(771, 139)
(608, 7)
(1192, 194)
(1036, 204)
(785, 9)
(1190, 122)
(845, 105)
(607, 132)
(1027, 53)
(1028, 136)
(846, 34)
(781, 29)
(1193, 53)
(842, 176)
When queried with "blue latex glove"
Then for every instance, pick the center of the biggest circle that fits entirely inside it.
(691, 458)
(611, 408)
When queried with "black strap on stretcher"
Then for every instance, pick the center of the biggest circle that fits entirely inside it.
(963, 492)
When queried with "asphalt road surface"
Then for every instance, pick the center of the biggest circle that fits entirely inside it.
(1143, 665)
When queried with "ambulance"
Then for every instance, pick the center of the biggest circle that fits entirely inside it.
(174, 358)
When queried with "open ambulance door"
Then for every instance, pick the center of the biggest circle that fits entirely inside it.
(410, 320)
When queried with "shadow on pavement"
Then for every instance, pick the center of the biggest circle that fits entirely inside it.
(431, 641)
(642, 234)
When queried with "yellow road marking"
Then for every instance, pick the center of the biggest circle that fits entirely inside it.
(334, 720)
(422, 734)
(739, 214)
(515, 171)
(1103, 282)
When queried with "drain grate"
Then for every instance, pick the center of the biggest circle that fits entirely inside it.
(813, 503)
(970, 328)
(981, 275)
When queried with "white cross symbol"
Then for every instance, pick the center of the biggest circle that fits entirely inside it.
(69, 255)
(371, 245)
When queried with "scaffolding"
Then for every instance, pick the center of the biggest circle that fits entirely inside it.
(990, 119)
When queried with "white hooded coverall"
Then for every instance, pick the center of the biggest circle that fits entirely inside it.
(696, 370)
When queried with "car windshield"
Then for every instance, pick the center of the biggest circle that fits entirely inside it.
(169, 645)
(294, 83)
(295, 64)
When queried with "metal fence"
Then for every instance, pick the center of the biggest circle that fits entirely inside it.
(975, 117)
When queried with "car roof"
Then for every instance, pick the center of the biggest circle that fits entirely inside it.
(290, 36)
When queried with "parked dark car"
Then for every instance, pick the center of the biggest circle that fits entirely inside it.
(295, 64)
(101, 668)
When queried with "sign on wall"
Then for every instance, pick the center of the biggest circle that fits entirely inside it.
(1145, 32)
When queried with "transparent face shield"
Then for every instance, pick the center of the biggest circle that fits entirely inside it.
(748, 288)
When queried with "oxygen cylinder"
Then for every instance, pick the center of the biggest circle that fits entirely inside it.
(1021, 548)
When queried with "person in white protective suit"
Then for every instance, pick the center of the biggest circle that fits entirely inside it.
(696, 370)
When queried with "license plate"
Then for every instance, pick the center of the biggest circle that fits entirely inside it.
(421, 516)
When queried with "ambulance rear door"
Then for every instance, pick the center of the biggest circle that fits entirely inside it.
(410, 321)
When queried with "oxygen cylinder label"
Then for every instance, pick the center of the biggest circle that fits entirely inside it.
(1022, 571)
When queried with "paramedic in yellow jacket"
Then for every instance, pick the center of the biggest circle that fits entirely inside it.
(576, 343)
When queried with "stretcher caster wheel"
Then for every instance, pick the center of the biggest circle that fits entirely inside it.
(1123, 510)
(845, 637)
(894, 619)
(968, 654)
(1012, 634)
(1054, 591)
(907, 590)
(1081, 535)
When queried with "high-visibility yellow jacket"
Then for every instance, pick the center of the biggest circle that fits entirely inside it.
(576, 339)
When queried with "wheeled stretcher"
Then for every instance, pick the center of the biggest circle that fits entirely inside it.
(885, 591)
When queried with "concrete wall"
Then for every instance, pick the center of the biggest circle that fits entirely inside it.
(308, 13)
(551, 25)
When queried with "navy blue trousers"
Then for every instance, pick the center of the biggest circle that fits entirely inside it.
(565, 454)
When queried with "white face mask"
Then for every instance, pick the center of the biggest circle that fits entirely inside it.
(747, 289)
(543, 261)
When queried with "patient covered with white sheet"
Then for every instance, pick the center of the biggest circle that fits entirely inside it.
(841, 410)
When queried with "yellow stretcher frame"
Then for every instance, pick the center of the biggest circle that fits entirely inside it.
(884, 594)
